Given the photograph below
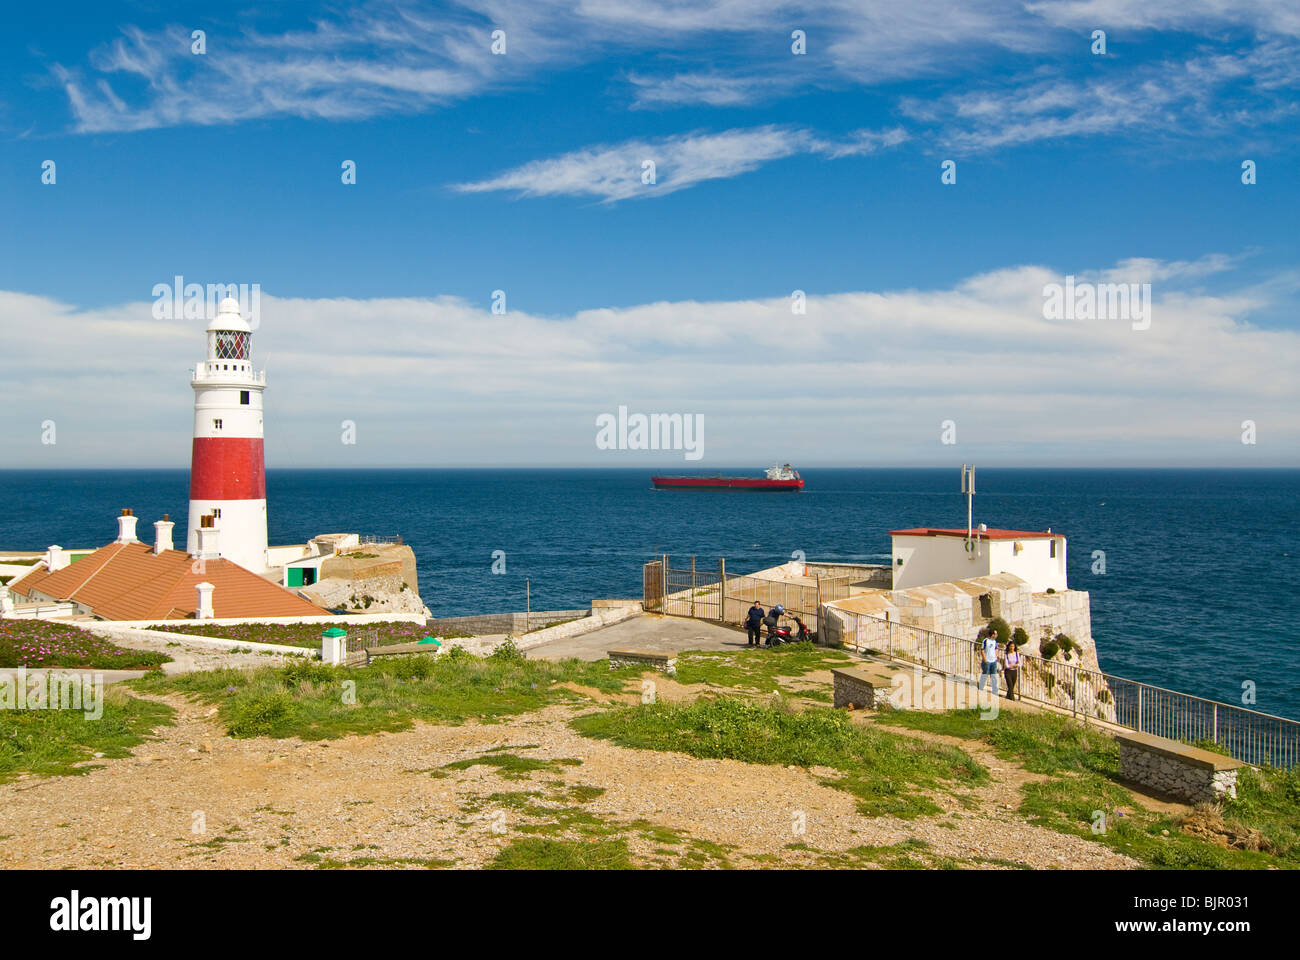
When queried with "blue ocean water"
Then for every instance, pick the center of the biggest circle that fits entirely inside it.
(1199, 593)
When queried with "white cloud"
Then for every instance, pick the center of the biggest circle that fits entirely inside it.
(863, 377)
(391, 56)
(616, 171)
(1204, 96)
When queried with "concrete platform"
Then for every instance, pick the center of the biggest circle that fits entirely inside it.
(650, 632)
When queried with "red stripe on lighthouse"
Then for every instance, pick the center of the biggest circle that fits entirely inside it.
(227, 468)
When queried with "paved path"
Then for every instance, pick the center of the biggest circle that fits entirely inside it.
(648, 632)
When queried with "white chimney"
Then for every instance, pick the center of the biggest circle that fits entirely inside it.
(206, 545)
(204, 590)
(6, 602)
(126, 528)
(56, 558)
(162, 534)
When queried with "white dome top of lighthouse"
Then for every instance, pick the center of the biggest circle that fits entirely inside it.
(228, 318)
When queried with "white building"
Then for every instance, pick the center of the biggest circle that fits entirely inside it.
(926, 555)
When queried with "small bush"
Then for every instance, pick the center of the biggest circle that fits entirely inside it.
(1067, 645)
(258, 715)
(1020, 637)
(1048, 649)
(508, 651)
(1001, 628)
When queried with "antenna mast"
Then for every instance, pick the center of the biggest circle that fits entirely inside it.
(968, 488)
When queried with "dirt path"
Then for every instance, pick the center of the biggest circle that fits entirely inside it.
(194, 798)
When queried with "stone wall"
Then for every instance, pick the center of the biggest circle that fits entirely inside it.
(853, 688)
(1187, 773)
(961, 609)
(512, 623)
(372, 578)
(666, 663)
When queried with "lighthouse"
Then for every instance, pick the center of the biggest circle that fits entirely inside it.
(227, 466)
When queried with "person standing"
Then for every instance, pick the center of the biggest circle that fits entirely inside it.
(989, 659)
(1011, 668)
(754, 625)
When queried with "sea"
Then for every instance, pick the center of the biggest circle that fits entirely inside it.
(1198, 589)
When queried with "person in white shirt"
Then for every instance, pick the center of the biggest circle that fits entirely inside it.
(989, 659)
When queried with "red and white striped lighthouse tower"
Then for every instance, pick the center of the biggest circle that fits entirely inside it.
(227, 469)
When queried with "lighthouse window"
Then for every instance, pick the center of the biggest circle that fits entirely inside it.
(1053, 548)
(216, 424)
(232, 345)
(243, 397)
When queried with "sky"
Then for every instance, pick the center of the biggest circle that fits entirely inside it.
(829, 230)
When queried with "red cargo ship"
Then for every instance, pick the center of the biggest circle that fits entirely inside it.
(777, 478)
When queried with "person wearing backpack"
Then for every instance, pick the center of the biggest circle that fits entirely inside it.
(989, 659)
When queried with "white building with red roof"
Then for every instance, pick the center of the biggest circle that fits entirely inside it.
(926, 555)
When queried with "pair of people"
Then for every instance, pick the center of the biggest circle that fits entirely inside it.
(989, 662)
(755, 620)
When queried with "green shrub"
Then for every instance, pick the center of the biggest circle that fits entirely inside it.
(508, 651)
(1020, 637)
(259, 715)
(1067, 645)
(1001, 628)
(1048, 649)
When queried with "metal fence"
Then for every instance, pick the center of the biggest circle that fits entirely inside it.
(1248, 735)
(706, 591)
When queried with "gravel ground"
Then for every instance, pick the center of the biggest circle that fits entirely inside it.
(283, 803)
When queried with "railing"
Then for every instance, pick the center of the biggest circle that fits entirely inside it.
(1257, 738)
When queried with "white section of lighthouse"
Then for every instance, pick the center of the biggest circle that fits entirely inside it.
(227, 467)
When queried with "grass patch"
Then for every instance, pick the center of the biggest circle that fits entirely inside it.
(543, 853)
(1040, 742)
(758, 669)
(58, 742)
(312, 700)
(509, 765)
(888, 773)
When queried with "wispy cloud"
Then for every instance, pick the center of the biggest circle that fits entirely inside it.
(1206, 95)
(399, 57)
(621, 171)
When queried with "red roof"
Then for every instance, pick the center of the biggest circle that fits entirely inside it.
(126, 581)
(992, 533)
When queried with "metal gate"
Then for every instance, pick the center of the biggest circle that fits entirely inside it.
(694, 591)
(652, 589)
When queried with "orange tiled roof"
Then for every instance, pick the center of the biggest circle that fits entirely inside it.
(125, 581)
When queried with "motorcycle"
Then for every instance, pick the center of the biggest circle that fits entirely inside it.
(777, 634)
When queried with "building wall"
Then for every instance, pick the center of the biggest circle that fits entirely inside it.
(928, 560)
(936, 560)
(1033, 563)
